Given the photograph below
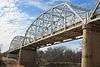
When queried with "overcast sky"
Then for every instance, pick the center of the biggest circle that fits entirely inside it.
(17, 15)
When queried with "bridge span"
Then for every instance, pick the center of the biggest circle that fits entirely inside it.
(62, 22)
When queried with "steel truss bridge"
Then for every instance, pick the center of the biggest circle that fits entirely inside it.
(64, 22)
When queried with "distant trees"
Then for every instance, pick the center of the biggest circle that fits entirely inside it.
(59, 54)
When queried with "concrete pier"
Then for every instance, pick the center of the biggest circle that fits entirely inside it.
(91, 45)
(29, 57)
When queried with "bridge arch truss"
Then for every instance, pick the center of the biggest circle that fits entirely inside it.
(48, 23)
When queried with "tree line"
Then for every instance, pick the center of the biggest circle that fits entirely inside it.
(59, 55)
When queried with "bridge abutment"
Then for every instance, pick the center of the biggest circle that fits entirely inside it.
(91, 45)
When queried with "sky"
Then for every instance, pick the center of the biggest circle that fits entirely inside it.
(17, 15)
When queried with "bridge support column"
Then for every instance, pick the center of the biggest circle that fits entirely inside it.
(29, 57)
(91, 45)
